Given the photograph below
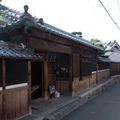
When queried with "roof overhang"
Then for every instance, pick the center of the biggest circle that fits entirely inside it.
(104, 59)
(18, 53)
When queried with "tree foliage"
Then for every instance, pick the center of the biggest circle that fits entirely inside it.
(97, 42)
(77, 34)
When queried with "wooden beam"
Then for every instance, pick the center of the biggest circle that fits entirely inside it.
(29, 87)
(4, 117)
(49, 46)
(97, 79)
(71, 73)
(4, 73)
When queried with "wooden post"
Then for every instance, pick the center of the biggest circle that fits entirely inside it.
(46, 78)
(29, 87)
(4, 117)
(71, 74)
(97, 72)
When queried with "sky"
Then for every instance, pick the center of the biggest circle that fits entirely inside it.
(86, 16)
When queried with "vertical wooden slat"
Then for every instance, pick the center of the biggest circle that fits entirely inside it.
(4, 73)
(46, 78)
(76, 65)
(29, 87)
(4, 117)
(0, 105)
(97, 74)
(70, 74)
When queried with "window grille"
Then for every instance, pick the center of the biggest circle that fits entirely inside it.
(62, 67)
(103, 65)
(86, 66)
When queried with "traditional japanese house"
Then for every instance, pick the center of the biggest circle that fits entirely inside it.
(112, 52)
(115, 62)
(38, 55)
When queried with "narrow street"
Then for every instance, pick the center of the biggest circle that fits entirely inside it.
(103, 107)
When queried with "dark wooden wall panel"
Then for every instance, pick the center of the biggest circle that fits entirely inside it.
(115, 68)
(50, 37)
(51, 72)
(49, 46)
(63, 87)
(0, 105)
(16, 102)
(76, 65)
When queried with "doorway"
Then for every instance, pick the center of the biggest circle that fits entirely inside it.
(36, 80)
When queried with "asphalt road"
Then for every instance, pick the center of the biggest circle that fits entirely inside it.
(103, 107)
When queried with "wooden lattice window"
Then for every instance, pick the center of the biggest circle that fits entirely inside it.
(62, 66)
(86, 65)
(94, 65)
(103, 65)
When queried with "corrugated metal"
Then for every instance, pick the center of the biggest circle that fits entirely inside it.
(18, 53)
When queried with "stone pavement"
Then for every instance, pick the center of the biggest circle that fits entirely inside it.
(57, 108)
(42, 108)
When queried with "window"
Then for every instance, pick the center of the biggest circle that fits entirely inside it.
(94, 65)
(16, 72)
(86, 66)
(62, 67)
(103, 65)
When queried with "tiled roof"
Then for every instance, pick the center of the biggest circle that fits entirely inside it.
(6, 52)
(10, 15)
(112, 45)
(69, 35)
(49, 28)
(104, 59)
(115, 56)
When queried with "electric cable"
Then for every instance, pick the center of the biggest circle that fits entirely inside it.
(109, 14)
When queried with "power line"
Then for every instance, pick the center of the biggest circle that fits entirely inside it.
(109, 14)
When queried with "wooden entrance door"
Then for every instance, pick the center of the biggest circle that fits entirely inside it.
(36, 80)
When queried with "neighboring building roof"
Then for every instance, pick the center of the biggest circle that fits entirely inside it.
(108, 53)
(112, 57)
(17, 52)
(112, 46)
(46, 27)
(115, 56)
(104, 59)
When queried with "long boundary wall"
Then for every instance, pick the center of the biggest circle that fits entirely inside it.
(87, 82)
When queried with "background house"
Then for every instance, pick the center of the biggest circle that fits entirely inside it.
(112, 53)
